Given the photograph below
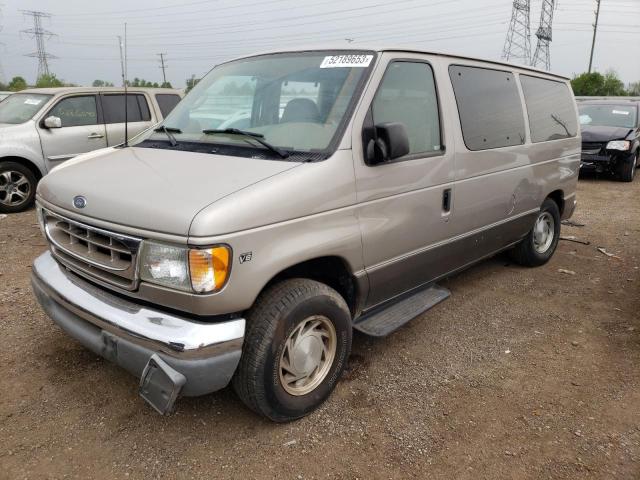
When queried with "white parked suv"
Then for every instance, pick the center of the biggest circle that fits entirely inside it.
(42, 127)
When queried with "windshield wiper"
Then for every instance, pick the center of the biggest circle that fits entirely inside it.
(169, 131)
(258, 137)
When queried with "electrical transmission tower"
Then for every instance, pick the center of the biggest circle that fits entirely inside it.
(517, 45)
(39, 34)
(542, 56)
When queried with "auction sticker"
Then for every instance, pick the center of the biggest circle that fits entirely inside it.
(346, 61)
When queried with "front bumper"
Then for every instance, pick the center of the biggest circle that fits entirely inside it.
(597, 163)
(129, 334)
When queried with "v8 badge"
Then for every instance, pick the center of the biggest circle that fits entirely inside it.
(246, 257)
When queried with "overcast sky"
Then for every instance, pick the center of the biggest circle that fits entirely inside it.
(195, 35)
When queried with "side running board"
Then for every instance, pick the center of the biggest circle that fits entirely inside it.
(390, 317)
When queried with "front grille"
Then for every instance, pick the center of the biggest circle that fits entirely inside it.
(592, 148)
(107, 256)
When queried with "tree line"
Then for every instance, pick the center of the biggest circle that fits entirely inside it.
(18, 83)
(599, 85)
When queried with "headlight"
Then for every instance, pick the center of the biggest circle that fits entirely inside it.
(619, 145)
(198, 270)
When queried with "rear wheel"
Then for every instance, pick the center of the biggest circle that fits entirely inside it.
(17, 187)
(627, 168)
(297, 344)
(540, 243)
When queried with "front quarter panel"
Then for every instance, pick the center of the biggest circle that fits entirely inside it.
(22, 141)
(305, 213)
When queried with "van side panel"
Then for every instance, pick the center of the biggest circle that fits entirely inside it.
(504, 187)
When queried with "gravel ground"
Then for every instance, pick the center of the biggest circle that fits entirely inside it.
(522, 373)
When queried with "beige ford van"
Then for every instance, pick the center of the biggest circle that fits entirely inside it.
(292, 197)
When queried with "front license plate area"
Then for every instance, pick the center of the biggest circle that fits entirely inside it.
(160, 385)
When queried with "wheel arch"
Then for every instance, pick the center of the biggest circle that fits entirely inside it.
(26, 162)
(558, 197)
(331, 270)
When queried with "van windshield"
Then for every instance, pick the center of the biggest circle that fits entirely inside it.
(608, 115)
(21, 107)
(297, 102)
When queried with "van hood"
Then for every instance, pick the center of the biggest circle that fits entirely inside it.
(594, 133)
(152, 189)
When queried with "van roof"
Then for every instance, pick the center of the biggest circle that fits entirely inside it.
(57, 90)
(407, 49)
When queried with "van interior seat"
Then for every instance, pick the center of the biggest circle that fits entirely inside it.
(301, 110)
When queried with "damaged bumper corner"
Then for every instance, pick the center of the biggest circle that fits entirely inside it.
(172, 355)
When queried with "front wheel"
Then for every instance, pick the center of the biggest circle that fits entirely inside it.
(627, 168)
(538, 246)
(297, 344)
(17, 187)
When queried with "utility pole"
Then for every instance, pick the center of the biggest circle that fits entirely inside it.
(121, 60)
(517, 45)
(163, 67)
(39, 34)
(595, 30)
(542, 55)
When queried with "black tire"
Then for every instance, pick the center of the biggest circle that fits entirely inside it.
(627, 168)
(10, 200)
(275, 315)
(525, 252)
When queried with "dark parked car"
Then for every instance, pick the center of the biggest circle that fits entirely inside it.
(610, 136)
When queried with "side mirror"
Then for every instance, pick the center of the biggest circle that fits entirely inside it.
(52, 122)
(391, 142)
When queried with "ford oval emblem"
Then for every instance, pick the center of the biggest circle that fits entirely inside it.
(79, 201)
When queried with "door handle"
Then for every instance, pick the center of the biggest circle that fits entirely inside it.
(95, 135)
(446, 200)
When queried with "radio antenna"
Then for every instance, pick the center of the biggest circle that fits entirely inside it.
(126, 98)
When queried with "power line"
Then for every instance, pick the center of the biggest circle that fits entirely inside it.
(595, 30)
(39, 34)
(542, 55)
(517, 45)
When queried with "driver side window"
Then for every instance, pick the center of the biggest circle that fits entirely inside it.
(407, 95)
(76, 111)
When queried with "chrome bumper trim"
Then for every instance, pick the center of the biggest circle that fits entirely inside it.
(171, 334)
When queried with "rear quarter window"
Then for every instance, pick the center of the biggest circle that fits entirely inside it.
(550, 108)
(113, 108)
(167, 102)
(489, 106)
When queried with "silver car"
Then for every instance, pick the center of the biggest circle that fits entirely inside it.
(205, 254)
(42, 127)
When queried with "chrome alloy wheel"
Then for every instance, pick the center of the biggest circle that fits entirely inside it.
(543, 232)
(14, 188)
(307, 355)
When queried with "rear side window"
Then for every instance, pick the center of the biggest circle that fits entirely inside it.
(113, 108)
(76, 111)
(167, 102)
(550, 107)
(407, 95)
(489, 106)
